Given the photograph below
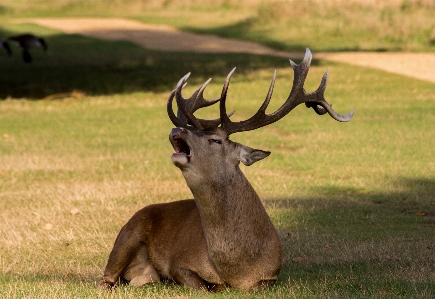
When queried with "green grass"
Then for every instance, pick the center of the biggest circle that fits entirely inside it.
(353, 202)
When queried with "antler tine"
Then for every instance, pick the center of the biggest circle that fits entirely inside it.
(181, 102)
(175, 120)
(200, 101)
(316, 98)
(251, 123)
(313, 99)
(197, 99)
(316, 108)
(297, 96)
(225, 120)
(186, 107)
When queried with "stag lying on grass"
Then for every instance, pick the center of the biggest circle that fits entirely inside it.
(223, 237)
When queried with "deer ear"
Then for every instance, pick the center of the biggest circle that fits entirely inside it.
(249, 156)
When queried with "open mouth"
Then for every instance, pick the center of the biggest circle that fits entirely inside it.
(180, 146)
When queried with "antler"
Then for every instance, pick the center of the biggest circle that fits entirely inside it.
(186, 107)
(297, 96)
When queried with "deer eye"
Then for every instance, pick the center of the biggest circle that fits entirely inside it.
(214, 141)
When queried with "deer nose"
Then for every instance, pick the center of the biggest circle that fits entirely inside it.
(176, 132)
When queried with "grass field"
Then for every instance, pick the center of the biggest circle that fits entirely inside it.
(353, 202)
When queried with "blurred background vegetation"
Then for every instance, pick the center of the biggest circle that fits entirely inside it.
(335, 25)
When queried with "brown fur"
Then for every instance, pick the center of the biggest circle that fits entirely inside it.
(223, 237)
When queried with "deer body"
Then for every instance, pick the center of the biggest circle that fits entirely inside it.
(223, 237)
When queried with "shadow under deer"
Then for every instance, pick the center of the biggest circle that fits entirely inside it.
(223, 237)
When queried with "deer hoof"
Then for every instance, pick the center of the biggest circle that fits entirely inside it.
(106, 285)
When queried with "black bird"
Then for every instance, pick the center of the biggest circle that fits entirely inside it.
(5, 45)
(27, 41)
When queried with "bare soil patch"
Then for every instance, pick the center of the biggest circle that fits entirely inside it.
(416, 65)
(166, 38)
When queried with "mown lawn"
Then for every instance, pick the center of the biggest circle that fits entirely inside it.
(353, 202)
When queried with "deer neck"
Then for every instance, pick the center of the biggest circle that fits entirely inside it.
(232, 215)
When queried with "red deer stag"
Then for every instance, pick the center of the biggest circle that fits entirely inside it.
(223, 237)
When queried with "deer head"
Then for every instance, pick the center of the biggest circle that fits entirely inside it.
(214, 133)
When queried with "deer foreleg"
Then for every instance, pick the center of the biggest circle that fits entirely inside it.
(128, 261)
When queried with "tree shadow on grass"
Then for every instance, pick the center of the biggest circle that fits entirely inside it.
(97, 67)
(364, 238)
(411, 193)
(355, 279)
(352, 209)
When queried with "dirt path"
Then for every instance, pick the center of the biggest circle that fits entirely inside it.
(165, 38)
